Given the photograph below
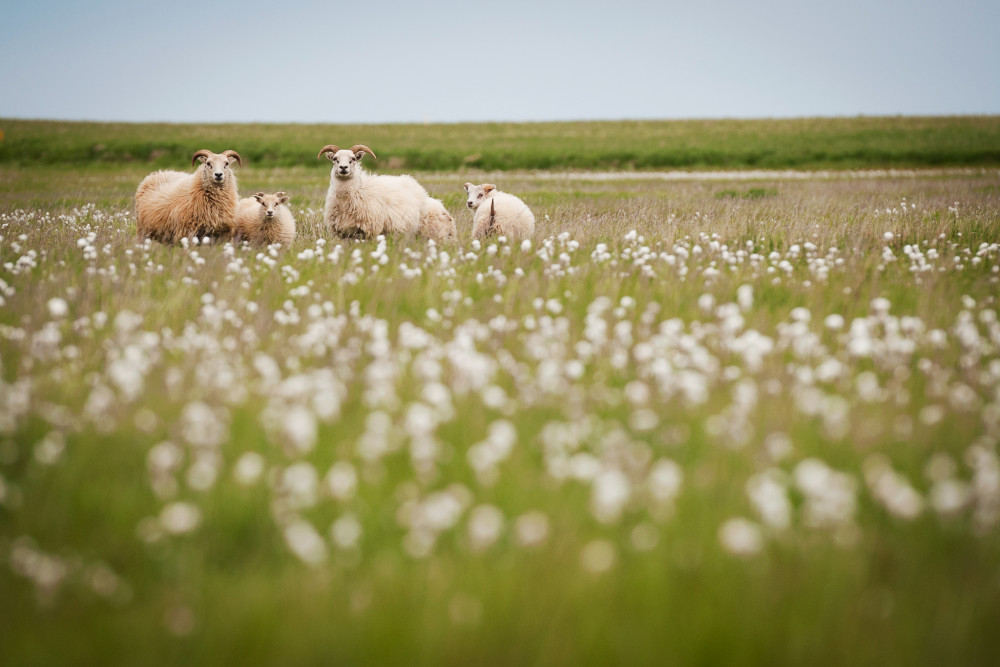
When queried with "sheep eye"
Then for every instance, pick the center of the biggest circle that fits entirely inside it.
(480, 195)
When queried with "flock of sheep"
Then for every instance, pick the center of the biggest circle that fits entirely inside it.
(173, 205)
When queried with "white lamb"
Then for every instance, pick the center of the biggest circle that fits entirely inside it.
(506, 215)
(264, 219)
(172, 205)
(366, 205)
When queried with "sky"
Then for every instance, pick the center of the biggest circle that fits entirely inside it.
(365, 61)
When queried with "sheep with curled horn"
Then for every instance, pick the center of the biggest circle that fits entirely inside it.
(173, 205)
(361, 204)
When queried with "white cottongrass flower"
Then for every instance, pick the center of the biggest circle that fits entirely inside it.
(949, 496)
(644, 537)
(741, 537)
(346, 531)
(58, 308)
(299, 484)
(664, 481)
(834, 322)
(299, 428)
(744, 297)
(303, 541)
(891, 489)
(341, 481)
(180, 517)
(831, 496)
(485, 525)
(202, 474)
(598, 556)
(50, 449)
(609, 495)
(202, 426)
(249, 468)
(769, 497)
(531, 529)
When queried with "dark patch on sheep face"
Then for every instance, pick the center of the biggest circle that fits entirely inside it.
(345, 164)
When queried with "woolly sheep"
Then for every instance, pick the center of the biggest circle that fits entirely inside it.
(171, 205)
(264, 219)
(362, 204)
(506, 215)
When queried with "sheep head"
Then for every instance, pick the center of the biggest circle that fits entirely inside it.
(477, 194)
(216, 166)
(270, 203)
(345, 160)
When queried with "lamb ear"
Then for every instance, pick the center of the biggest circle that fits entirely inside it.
(488, 188)
(467, 186)
(259, 197)
(282, 198)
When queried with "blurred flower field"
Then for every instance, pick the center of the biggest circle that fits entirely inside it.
(678, 425)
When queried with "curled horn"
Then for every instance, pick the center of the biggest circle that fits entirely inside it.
(205, 153)
(329, 148)
(362, 147)
(234, 154)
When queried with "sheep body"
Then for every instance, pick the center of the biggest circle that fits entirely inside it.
(499, 213)
(171, 205)
(264, 219)
(362, 204)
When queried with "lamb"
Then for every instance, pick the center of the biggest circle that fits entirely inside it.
(264, 219)
(360, 204)
(505, 216)
(172, 205)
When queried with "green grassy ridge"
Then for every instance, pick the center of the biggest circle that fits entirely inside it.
(806, 143)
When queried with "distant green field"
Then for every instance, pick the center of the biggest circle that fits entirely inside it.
(813, 143)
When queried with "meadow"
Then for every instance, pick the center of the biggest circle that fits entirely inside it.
(698, 418)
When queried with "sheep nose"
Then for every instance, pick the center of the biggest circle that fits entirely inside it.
(469, 204)
(218, 175)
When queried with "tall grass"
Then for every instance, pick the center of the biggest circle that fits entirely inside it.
(800, 143)
(505, 453)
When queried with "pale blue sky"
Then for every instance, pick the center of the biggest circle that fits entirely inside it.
(442, 61)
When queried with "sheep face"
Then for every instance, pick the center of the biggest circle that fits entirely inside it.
(345, 163)
(477, 194)
(270, 203)
(215, 167)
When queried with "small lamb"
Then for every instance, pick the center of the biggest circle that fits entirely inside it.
(506, 215)
(264, 219)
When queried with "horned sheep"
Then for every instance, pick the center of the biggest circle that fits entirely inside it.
(172, 205)
(505, 214)
(264, 219)
(362, 204)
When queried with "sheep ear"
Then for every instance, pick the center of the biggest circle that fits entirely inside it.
(488, 188)
(467, 186)
(359, 155)
(283, 199)
(259, 197)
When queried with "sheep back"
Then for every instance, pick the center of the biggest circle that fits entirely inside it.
(377, 205)
(436, 223)
(513, 218)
